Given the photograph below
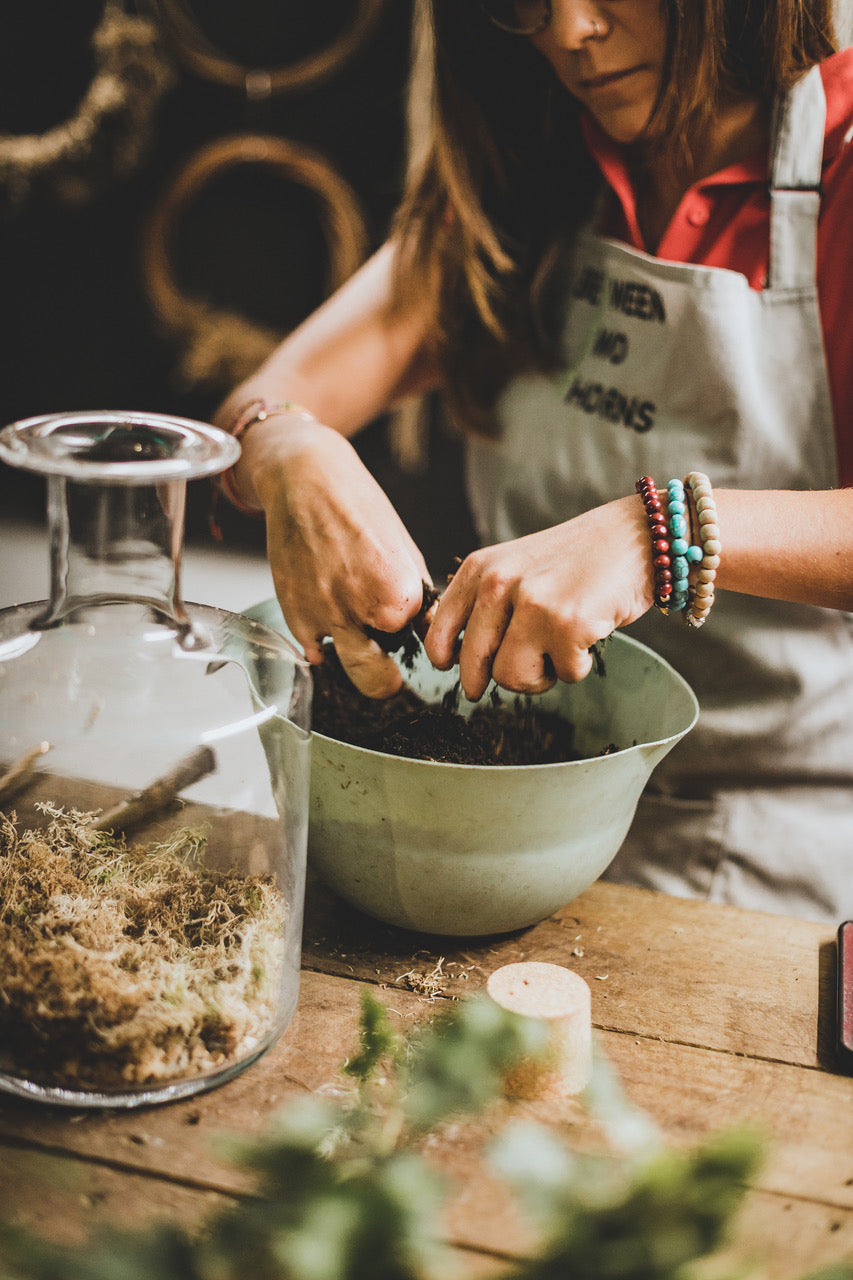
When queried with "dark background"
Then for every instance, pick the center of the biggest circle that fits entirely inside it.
(79, 330)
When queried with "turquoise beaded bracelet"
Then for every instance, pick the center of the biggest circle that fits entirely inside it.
(682, 551)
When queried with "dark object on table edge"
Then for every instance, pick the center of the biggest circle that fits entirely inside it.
(844, 1026)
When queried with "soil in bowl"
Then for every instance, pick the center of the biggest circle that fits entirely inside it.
(495, 733)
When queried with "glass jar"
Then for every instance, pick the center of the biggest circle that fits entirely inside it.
(154, 769)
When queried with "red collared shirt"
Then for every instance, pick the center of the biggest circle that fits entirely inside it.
(724, 221)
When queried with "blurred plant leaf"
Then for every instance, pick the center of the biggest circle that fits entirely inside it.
(457, 1065)
(629, 1131)
(363, 1221)
(652, 1224)
(342, 1195)
(376, 1037)
(164, 1252)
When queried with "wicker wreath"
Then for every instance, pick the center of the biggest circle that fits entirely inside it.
(220, 348)
(196, 52)
(113, 123)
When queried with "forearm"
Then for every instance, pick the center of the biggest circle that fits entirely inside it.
(353, 359)
(273, 448)
(346, 377)
(788, 545)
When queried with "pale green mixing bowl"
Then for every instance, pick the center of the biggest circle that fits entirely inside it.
(479, 849)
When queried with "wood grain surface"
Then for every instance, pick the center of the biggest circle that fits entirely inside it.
(711, 1015)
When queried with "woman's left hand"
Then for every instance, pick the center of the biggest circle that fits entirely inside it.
(530, 609)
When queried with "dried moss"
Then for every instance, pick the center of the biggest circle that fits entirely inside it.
(129, 964)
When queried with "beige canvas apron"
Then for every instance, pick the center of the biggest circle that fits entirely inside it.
(670, 367)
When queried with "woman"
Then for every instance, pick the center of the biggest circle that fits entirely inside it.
(619, 255)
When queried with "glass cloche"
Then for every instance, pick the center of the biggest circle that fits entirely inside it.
(154, 769)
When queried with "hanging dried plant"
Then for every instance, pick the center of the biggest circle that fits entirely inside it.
(112, 126)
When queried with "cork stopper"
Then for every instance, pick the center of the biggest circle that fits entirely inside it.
(561, 999)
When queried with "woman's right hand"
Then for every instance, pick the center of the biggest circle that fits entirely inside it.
(341, 558)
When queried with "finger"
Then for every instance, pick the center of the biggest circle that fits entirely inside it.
(449, 617)
(573, 664)
(522, 668)
(314, 652)
(429, 604)
(569, 641)
(391, 641)
(390, 601)
(538, 649)
(306, 635)
(371, 670)
(482, 639)
(533, 672)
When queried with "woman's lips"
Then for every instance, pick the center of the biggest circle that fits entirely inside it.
(608, 78)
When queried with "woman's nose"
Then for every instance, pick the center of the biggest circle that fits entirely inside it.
(575, 22)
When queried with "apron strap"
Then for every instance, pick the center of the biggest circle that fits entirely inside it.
(798, 132)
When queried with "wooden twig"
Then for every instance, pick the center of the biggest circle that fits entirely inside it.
(21, 771)
(160, 793)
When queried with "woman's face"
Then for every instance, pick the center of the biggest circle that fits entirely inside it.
(609, 54)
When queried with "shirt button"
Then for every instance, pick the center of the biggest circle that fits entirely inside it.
(698, 214)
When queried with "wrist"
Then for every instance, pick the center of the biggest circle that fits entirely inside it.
(685, 544)
(292, 450)
(239, 483)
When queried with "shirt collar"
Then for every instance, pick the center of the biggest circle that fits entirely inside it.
(611, 159)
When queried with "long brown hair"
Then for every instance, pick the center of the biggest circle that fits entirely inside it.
(500, 179)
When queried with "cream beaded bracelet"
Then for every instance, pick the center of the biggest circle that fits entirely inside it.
(702, 590)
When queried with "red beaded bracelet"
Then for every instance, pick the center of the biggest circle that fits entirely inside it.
(661, 558)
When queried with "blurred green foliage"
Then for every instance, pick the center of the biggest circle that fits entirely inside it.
(343, 1194)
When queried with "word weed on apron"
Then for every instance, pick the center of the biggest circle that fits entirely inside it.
(670, 368)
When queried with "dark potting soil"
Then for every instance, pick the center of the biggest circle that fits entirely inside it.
(518, 733)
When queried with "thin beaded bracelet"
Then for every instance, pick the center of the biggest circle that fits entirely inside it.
(661, 562)
(682, 550)
(246, 417)
(709, 536)
(254, 411)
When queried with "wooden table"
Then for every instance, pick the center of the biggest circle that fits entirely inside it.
(711, 1014)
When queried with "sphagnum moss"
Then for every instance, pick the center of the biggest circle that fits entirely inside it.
(129, 964)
